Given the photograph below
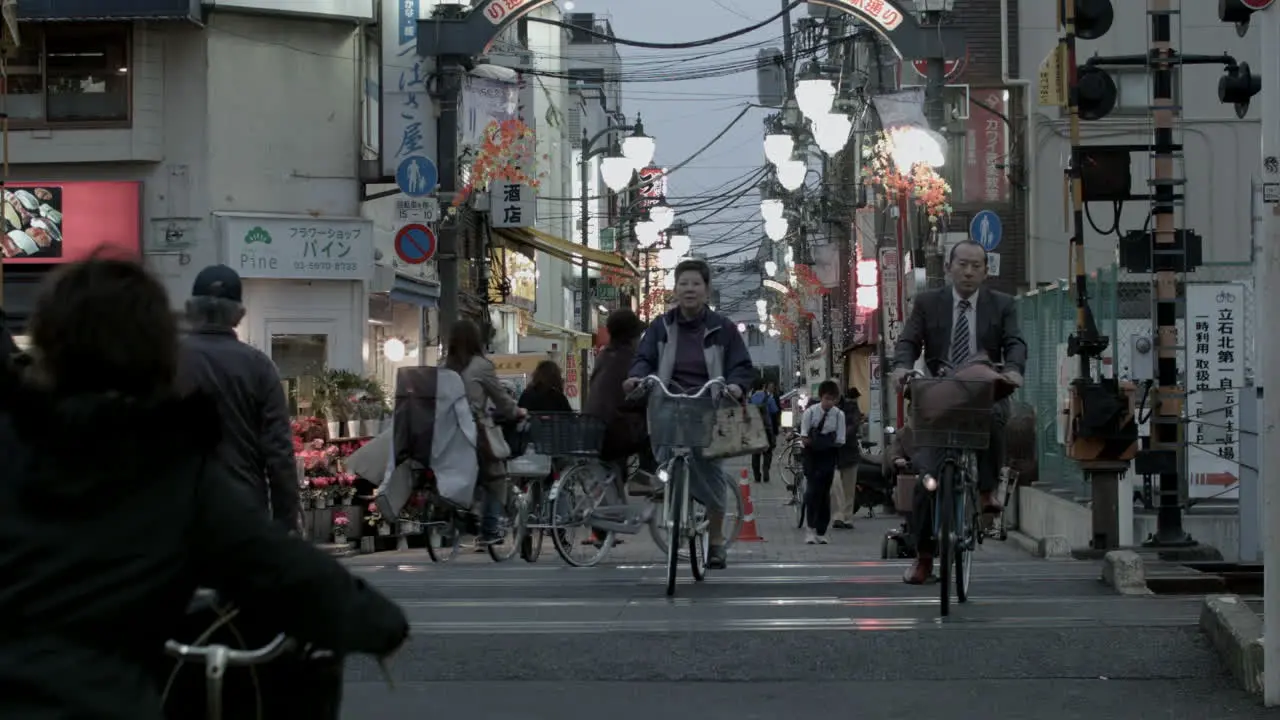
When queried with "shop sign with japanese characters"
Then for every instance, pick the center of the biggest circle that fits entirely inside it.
(298, 248)
(1215, 376)
(512, 205)
(404, 101)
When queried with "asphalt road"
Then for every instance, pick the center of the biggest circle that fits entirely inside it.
(788, 630)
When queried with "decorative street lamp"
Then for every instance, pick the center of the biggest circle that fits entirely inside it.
(662, 214)
(910, 145)
(814, 93)
(638, 147)
(778, 148)
(647, 233)
(770, 268)
(678, 239)
(832, 131)
(616, 172)
(668, 258)
(771, 209)
(791, 174)
(776, 229)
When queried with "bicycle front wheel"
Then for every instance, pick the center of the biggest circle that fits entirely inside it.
(966, 538)
(536, 513)
(677, 500)
(945, 538)
(515, 516)
(573, 499)
(734, 516)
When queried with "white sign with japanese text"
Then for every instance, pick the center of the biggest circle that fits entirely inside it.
(512, 205)
(406, 107)
(298, 247)
(1215, 375)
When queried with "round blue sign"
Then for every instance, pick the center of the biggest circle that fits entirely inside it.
(986, 229)
(415, 244)
(417, 176)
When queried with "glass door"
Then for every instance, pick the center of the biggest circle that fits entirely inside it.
(302, 351)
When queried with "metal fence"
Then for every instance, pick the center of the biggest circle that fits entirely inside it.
(1122, 308)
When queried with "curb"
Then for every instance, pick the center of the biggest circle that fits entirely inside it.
(1123, 570)
(1236, 634)
(1054, 547)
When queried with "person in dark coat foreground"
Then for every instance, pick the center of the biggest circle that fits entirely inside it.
(112, 512)
(625, 431)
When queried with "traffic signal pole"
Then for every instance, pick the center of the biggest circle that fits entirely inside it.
(1267, 277)
(1067, 10)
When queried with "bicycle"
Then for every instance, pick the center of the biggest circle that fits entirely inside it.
(957, 428)
(266, 701)
(684, 423)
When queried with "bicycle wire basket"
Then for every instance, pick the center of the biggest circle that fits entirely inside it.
(680, 421)
(560, 434)
(950, 413)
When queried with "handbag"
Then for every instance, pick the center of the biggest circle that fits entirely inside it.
(818, 440)
(739, 430)
(492, 443)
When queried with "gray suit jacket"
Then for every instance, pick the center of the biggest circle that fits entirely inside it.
(928, 330)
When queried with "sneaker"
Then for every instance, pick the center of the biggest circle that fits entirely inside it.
(842, 525)
(810, 537)
(822, 539)
(489, 540)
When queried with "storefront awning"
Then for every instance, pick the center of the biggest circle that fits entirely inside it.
(567, 251)
(86, 10)
(404, 288)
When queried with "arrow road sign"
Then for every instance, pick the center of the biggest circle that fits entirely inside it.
(415, 244)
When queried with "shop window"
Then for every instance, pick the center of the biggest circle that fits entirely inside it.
(755, 338)
(70, 74)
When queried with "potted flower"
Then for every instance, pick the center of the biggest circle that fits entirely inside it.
(346, 487)
(322, 488)
(340, 524)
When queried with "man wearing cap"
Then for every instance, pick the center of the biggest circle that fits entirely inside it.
(257, 442)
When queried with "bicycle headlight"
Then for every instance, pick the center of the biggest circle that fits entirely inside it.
(663, 475)
(930, 483)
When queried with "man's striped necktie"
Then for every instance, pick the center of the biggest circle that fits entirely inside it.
(960, 338)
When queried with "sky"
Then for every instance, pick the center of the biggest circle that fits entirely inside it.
(683, 115)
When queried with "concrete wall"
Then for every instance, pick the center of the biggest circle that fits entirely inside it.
(1221, 150)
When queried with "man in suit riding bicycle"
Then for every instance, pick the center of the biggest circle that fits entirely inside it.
(951, 326)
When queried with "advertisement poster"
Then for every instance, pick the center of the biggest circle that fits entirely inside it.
(32, 222)
(986, 149)
(46, 222)
(485, 104)
(573, 380)
(1215, 374)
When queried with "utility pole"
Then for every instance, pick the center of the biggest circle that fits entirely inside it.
(934, 14)
(447, 159)
(1267, 277)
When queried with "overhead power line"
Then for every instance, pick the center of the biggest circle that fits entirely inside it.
(673, 46)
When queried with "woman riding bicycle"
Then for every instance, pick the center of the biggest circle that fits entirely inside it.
(114, 508)
(686, 347)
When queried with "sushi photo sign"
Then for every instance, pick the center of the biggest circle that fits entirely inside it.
(57, 222)
(32, 222)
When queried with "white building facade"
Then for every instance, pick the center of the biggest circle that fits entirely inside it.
(173, 140)
(1220, 149)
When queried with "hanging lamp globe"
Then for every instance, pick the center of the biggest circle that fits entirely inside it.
(771, 208)
(647, 233)
(791, 174)
(777, 229)
(778, 147)
(638, 147)
(616, 172)
(662, 214)
(832, 132)
(814, 96)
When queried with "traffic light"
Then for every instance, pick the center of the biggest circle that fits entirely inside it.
(1093, 18)
(1096, 92)
(1238, 12)
(1237, 86)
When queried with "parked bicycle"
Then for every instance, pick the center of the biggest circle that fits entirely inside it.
(792, 463)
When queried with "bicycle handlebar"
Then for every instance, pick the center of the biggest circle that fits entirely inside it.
(225, 656)
(650, 381)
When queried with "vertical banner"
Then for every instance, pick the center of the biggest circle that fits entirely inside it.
(1215, 375)
(986, 148)
(875, 400)
(405, 103)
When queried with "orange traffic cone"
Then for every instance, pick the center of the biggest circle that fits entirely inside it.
(748, 531)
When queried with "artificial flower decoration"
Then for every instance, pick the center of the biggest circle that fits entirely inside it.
(507, 154)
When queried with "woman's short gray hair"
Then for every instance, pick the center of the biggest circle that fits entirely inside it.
(204, 310)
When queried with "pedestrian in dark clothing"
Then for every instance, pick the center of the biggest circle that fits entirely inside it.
(257, 442)
(822, 430)
(114, 508)
(626, 433)
(8, 348)
(845, 487)
(761, 462)
(545, 392)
